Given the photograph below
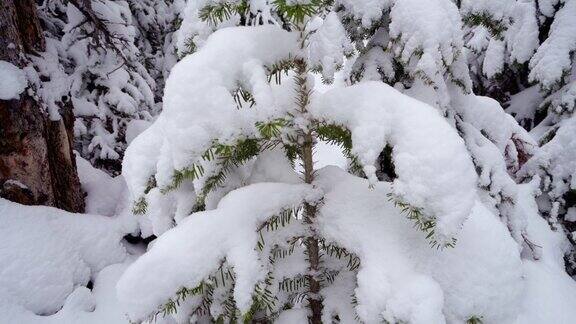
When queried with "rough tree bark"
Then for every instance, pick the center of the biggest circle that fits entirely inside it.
(37, 164)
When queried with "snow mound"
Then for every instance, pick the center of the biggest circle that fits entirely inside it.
(435, 171)
(13, 81)
(82, 306)
(47, 252)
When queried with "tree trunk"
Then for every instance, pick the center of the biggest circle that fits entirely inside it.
(307, 156)
(37, 164)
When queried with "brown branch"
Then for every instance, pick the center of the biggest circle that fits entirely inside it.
(101, 35)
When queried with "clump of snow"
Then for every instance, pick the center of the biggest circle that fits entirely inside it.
(486, 115)
(524, 104)
(328, 46)
(367, 11)
(427, 38)
(555, 56)
(293, 316)
(522, 35)
(558, 158)
(435, 171)
(495, 58)
(46, 253)
(12, 81)
(105, 195)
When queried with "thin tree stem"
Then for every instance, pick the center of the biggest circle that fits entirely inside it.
(306, 155)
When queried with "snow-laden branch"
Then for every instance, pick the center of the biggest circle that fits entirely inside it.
(434, 169)
(199, 106)
(555, 57)
(189, 253)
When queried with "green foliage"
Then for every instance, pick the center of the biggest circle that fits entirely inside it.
(296, 12)
(216, 13)
(353, 262)
(171, 306)
(342, 137)
(485, 19)
(421, 222)
(549, 135)
(277, 69)
(271, 129)
(291, 152)
(241, 96)
(227, 157)
(140, 206)
(262, 299)
(474, 320)
(190, 48)
(192, 172)
(292, 285)
(336, 135)
(281, 220)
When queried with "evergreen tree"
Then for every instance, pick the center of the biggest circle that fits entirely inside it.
(107, 57)
(524, 51)
(419, 49)
(240, 120)
(155, 23)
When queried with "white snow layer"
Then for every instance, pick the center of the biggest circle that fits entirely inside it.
(12, 81)
(46, 253)
(434, 169)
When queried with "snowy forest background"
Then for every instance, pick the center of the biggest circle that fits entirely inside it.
(289, 161)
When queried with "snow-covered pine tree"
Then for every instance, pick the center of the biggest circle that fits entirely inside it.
(106, 56)
(525, 50)
(155, 23)
(501, 37)
(418, 48)
(323, 245)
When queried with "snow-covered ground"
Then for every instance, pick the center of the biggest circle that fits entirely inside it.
(48, 257)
